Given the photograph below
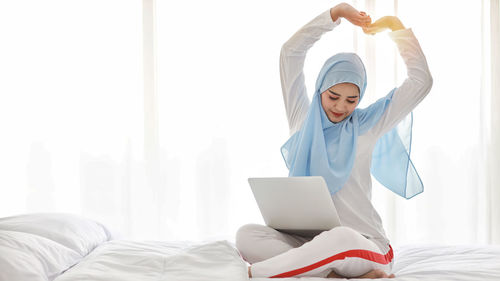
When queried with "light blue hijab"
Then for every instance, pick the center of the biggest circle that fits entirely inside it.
(323, 148)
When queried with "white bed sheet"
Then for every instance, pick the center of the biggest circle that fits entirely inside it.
(159, 261)
(68, 248)
(439, 262)
(219, 261)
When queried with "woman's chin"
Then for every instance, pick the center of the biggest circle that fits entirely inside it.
(336, 119)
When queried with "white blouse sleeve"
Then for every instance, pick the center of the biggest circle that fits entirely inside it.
(415, 87)
(292, 57)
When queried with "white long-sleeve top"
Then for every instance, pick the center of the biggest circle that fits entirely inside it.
(353, 200)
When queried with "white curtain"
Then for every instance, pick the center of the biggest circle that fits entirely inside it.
(455, 131)
(150, 115)
(491, 73)
(71, 115)
(451, 130)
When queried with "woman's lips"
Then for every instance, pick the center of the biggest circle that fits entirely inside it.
(337, 114)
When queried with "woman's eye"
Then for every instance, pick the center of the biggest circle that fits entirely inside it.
(349, 101)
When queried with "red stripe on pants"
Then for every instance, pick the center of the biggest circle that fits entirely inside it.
(364, 254)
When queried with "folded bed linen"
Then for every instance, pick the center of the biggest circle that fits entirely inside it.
(158, 261)
(64, 247)
(40, 247)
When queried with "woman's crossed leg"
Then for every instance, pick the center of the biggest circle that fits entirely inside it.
(340, 252)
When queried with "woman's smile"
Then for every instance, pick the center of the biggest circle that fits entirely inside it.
(337, 114)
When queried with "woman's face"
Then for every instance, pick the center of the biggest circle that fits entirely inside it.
(339, 101)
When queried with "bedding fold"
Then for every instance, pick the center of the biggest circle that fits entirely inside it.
(160, 261)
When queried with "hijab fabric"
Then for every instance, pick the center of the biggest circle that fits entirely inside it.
(327, 149)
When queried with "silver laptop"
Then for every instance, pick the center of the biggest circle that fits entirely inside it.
(297, 205)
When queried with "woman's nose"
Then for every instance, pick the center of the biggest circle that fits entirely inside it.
(340, 107)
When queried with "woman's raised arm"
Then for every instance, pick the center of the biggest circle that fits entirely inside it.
(419, 81)
(344, 10)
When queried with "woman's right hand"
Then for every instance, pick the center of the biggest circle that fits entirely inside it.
(348, 12)
(388, 22)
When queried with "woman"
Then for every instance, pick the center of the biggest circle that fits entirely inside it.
(332, 138)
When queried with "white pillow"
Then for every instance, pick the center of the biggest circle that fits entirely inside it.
(77, 233)
(28, 257)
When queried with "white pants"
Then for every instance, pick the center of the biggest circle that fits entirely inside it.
(343, 250)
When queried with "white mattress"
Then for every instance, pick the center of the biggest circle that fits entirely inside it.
(69, 248)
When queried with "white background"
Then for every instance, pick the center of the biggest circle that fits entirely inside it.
(72, 112)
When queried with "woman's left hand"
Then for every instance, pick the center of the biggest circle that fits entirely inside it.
(387, 22)
(351, 14)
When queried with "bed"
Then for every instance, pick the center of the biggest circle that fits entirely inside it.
(64, 247)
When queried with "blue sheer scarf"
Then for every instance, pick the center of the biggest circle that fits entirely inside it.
(327, 149)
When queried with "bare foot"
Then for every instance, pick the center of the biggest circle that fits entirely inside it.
(376, 273)
(334, 275)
